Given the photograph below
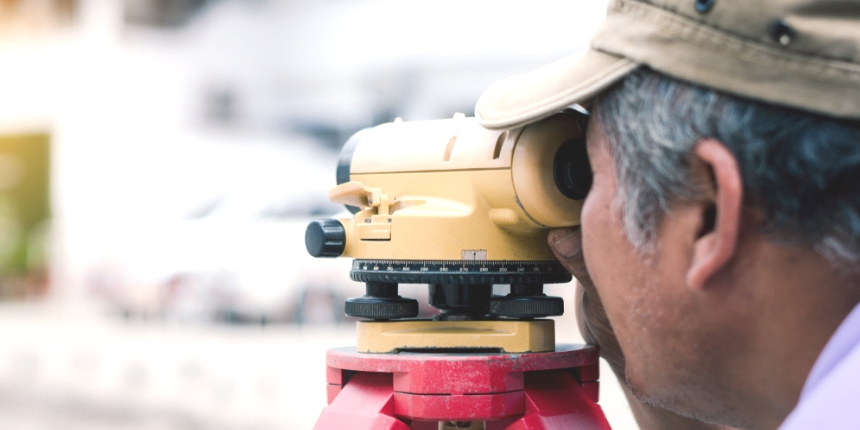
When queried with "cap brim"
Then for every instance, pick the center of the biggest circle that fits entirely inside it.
(522, 99)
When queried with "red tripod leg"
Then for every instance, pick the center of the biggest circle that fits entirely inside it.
(365, 403)
(555, 400)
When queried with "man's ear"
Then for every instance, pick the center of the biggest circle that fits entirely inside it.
(720, 214)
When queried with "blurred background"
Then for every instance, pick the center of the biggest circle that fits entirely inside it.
(159, 161)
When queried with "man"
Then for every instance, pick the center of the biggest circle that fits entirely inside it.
(719, 246)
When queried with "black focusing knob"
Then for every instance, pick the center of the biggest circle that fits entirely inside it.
(325, 238)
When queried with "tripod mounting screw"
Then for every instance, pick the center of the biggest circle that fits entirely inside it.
(325, 238)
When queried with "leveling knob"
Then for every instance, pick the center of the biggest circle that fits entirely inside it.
(381, 303)
(325, 238)
(526, 301)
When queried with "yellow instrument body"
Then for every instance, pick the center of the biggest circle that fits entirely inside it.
(453, 190)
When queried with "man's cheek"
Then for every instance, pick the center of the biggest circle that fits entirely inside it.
(593, 236)
(603, 245)
(588, 227)
(594, 229)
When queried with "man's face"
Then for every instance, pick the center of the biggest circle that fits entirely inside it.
(653, 314)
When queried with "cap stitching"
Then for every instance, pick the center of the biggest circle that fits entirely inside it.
(712, 38)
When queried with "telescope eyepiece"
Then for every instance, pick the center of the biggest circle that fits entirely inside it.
(572, 170)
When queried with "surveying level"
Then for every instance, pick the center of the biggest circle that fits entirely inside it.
(460, 208)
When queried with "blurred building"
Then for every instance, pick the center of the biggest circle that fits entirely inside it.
(163, 157)
(162, 114)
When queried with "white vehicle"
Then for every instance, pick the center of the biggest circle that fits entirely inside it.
(241, 256)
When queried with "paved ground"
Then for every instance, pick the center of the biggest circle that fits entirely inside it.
(76, 367)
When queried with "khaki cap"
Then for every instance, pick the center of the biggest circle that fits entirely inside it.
(803, 54)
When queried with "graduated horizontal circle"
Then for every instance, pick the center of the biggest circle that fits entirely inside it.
(459, 271)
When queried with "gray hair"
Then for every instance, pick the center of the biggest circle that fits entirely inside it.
(802, 170)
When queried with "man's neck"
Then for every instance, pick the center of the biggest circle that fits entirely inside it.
(802, 301)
